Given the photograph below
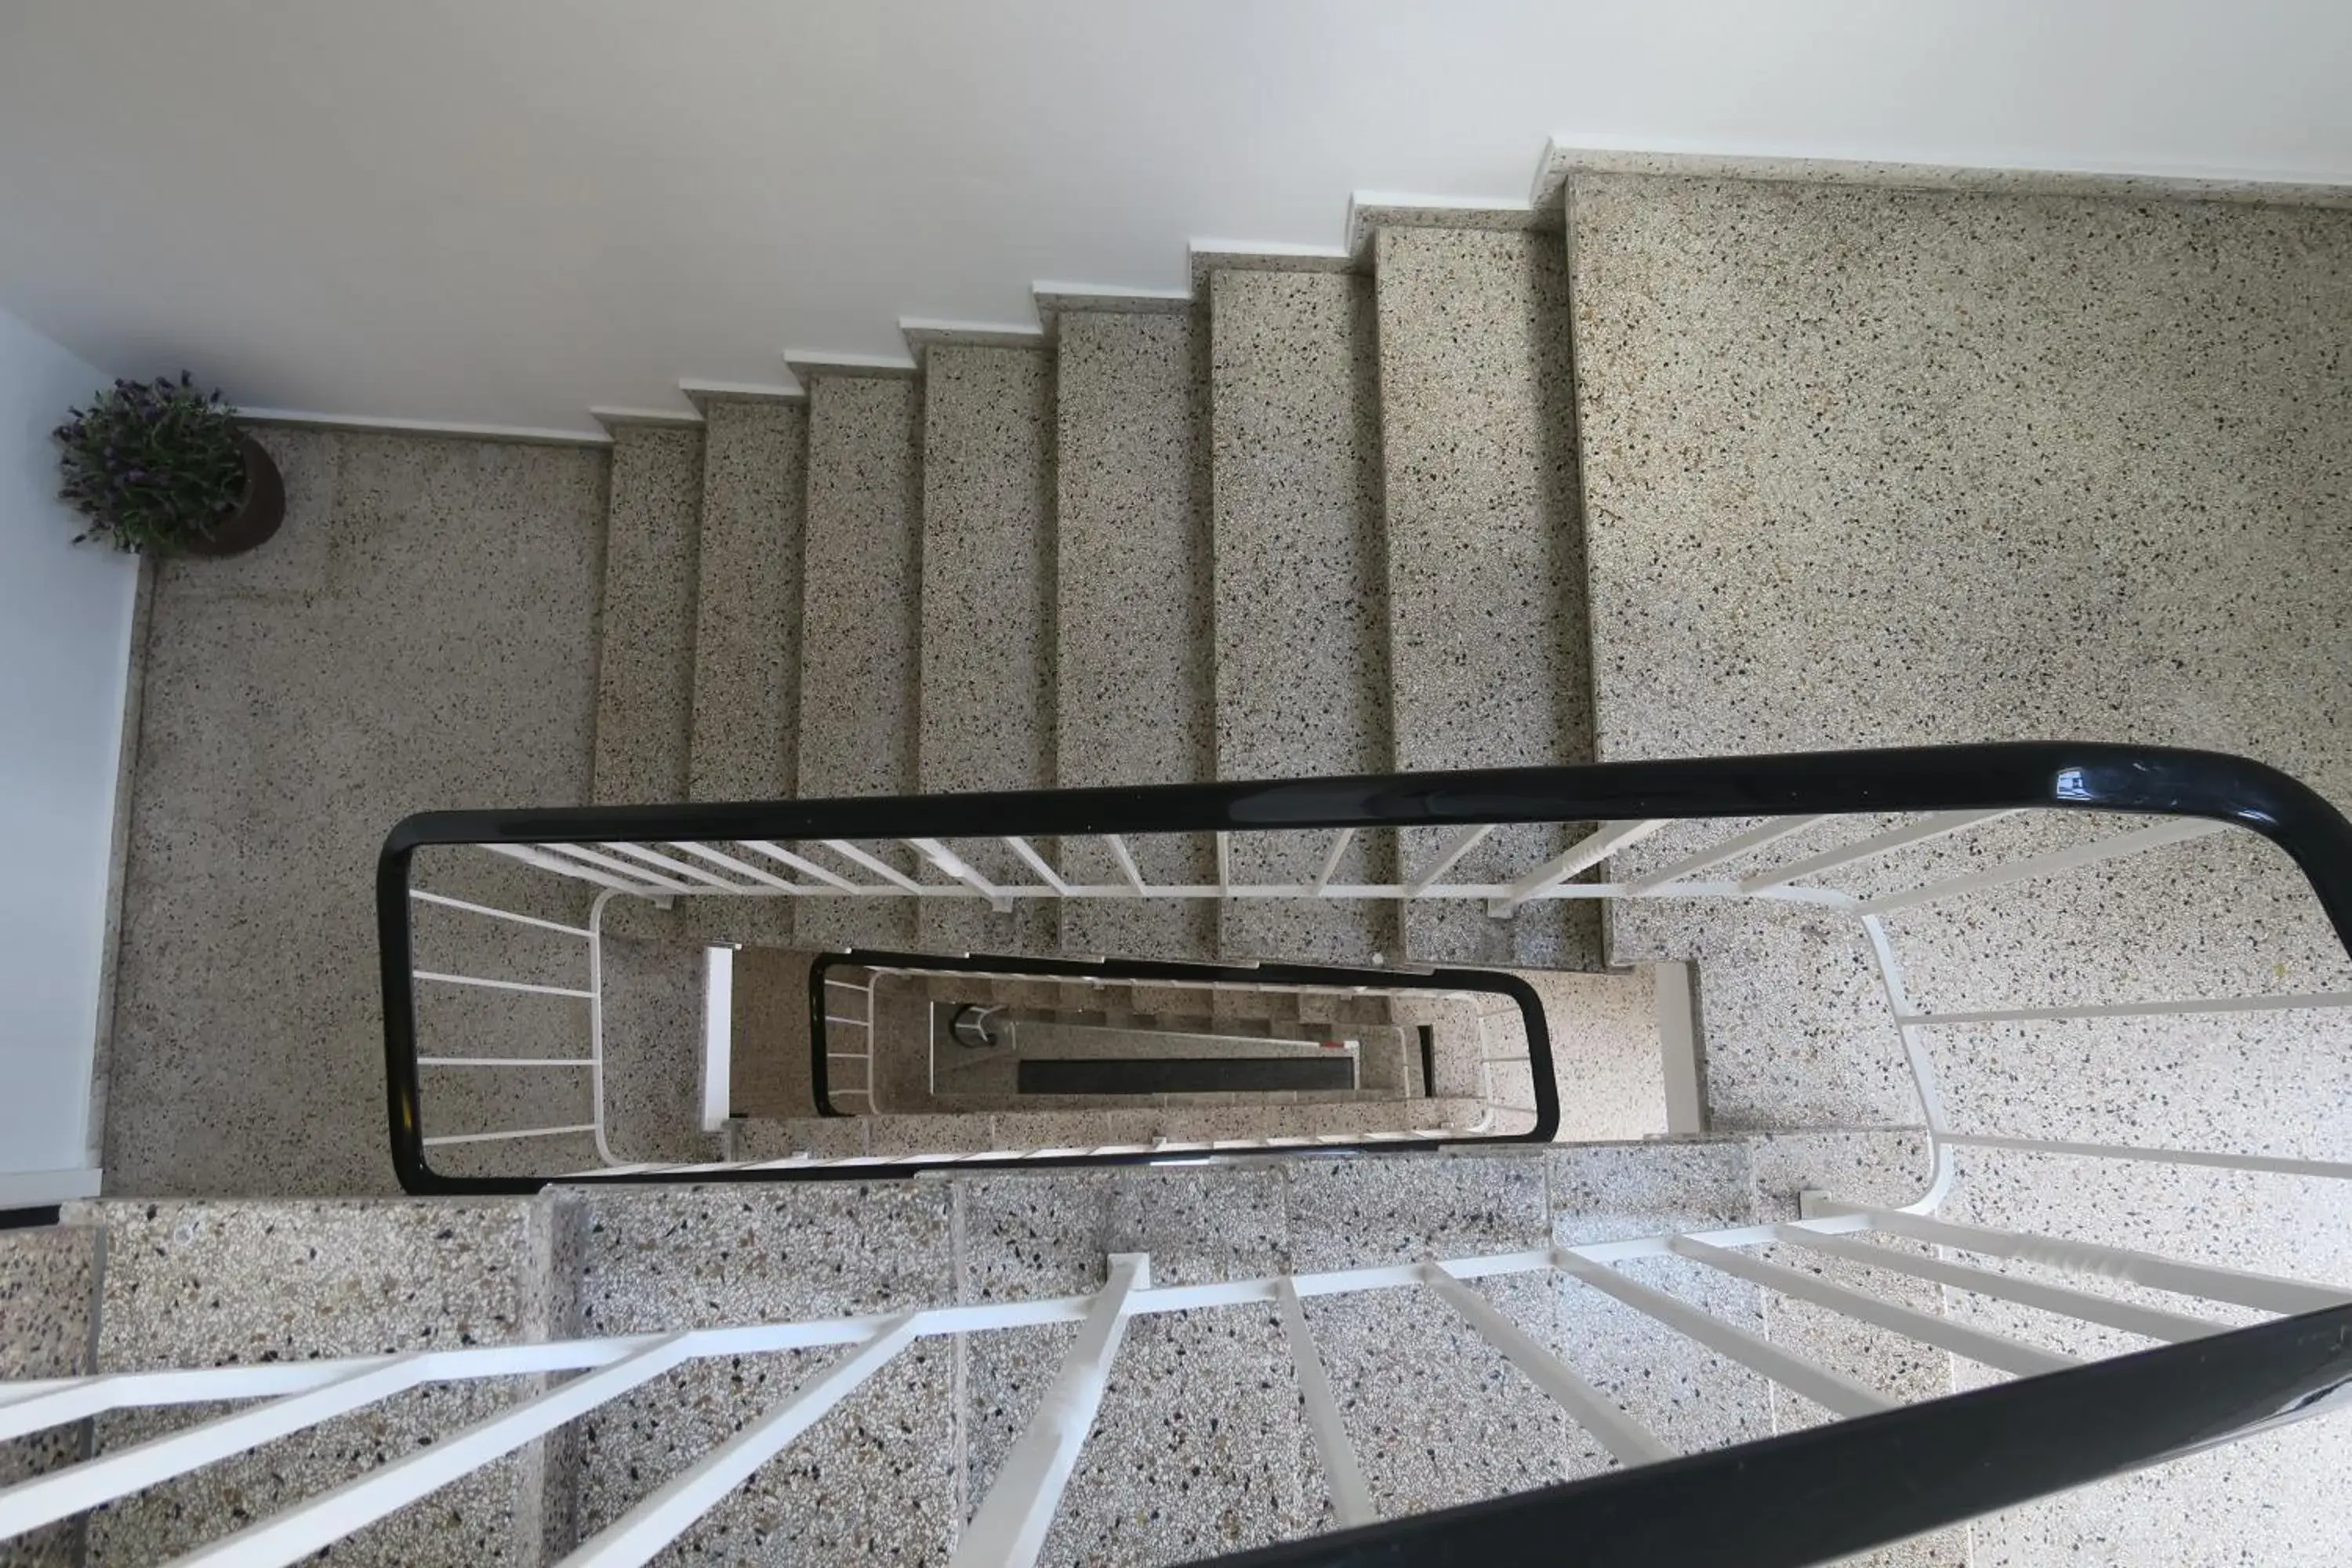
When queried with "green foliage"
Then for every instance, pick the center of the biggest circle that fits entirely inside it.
(153, 465)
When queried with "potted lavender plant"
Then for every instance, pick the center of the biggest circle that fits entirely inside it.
(160, 467)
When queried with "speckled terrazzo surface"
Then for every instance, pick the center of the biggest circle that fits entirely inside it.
(48, 1325)
(1489, 661)
(1877, 466)
(770, 1059)
(645, 649)
(860, 581)
(1134, 684)
(2272, 1498)
(1882, 467)
(1199, 1447)
(1300, 593)
(1605, 1054)
(987, 604)
(1865, 466)
(874, 1481)
(747, 601)
(205, 1283)
(420, 633)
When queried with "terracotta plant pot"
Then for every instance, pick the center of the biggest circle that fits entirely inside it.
(256, 518)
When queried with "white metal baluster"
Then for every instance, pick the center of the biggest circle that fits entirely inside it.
(1585, 852)
(675, 867)
(1996, 1351)
(498, 984)
(1038, 863)
(800, 863)
(1939, 825)
(1352, 1499)
(443, 899)
(327, 1518)
(61, 1493)
(1009, 1527)
(955, 866)
(1125, 859)
(1330, 867)
(2150, 1322)
(1731, 848)
(662, 1518)
(597, 857)
(2090, 854)
(1628, 1441)
(2309, 1001)
(530, 854)
(2263, 1292)
(740, 867)
(447, 1138)
(1460, 842)
(874, 863)
(1823, 1386)
(2271, 1164)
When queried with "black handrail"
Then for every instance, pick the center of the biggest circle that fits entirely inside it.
(1824, 1493)
(2066, 775)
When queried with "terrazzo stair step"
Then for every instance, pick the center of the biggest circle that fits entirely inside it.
(1198, 1448)
(874, 1481)
(1300, 596)
(192, 1283)
(1267, 1007)
(987, 592)
(747, 625)
(644, 667)
(901, 1054)
(1076, 996)
(859, 651)
(652, 1043)
(646, 632)
(1134, 687)
(1436, 1415)
(49, 1324)
(1489, 650)
(1387, 1060)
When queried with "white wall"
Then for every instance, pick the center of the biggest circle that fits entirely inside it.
(65, 645)
(505, 213)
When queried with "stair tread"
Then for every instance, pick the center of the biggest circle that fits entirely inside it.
(987, 613)
(1134, 687)
(1489, 655)
(1300, 676)
(665, 1258)
(747, 602)
(644, 664)
(858, 634)
(195, 1283)
(48, 1323)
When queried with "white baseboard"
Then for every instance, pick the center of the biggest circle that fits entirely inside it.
(39, 1189)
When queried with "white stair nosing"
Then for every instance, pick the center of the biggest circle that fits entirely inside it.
(806, 362)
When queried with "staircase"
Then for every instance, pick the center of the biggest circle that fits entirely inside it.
(1313, 520)
(1326, 515)
(1323, 523)
(1198, 1448)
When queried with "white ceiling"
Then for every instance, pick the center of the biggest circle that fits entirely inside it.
(505, 211)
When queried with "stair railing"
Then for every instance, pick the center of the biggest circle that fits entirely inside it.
(768, 850)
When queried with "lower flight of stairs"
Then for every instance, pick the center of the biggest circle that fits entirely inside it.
(1198, 1448)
